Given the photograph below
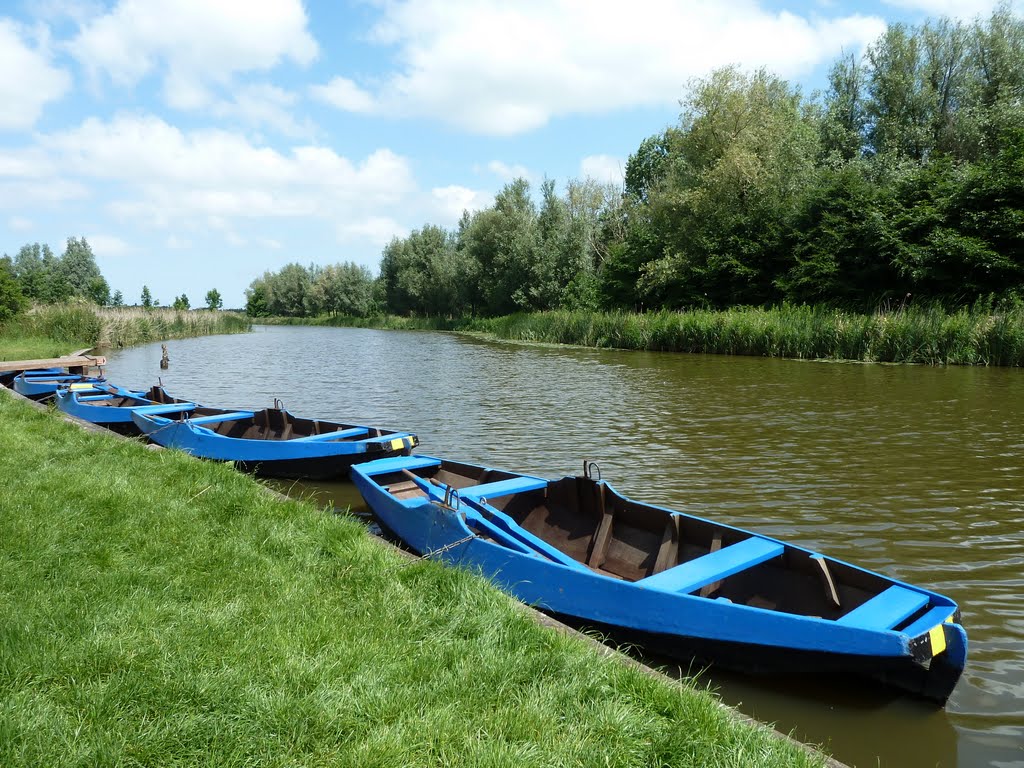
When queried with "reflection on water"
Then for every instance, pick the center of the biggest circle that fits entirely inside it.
(913, 471)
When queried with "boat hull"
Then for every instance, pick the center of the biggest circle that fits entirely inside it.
(683, 626)
(44, 387)
(85, 405)
(321, 459)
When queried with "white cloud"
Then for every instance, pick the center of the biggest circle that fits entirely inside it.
(603, 168)
(452, 200)
(28, 80)
(493, 67)
(378, 230)
(265, 105)
(156, 175)
(344, 94)
(19, 224)
(108, 245)
(197, 44)
(955, 9)
(509, 172)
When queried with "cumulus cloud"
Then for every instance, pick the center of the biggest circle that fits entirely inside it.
(196, 44)
(498, 68)
(344, 94)
(158, 175)
(108, 245)
(451, 201)
(603, 168)
(28, 79)
(509, 172)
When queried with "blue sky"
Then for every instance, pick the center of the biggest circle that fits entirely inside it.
(198, 143)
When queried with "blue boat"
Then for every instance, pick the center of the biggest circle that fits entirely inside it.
(111, 406)
(674, 583)
(43, 384)
(272, 442)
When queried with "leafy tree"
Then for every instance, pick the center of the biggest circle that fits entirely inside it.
(504, 241)
(213, 299)
(146, 298)
(78, 267)
(12, 301)
(181, 302)
(98, 291)
(344, 289)
(117, 300)
(257, 300)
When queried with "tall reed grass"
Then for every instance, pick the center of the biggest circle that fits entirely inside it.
(47, 331)
(929, 335)
(910, 335)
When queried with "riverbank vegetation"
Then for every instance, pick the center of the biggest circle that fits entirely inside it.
(170, 611)
(899, 188)
(53, 330)
(933, 336)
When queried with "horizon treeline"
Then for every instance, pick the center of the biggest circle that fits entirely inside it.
(35, 274)
(903, 181)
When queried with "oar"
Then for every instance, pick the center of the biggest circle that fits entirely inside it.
(509, 538)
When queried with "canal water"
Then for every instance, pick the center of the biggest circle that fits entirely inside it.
(914, 471)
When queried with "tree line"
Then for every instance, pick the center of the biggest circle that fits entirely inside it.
(36, 275)
(903, 181)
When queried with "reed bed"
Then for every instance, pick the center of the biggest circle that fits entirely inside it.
(910, 335)
(928, 335)
(47, 331)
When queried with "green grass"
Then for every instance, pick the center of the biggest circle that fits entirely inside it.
(50, 331)
(929, 335)
(162, 611)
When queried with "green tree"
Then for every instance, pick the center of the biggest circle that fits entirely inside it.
(504, 241)
(213, 299)
(257, 299)
(12, 301)
(744, 151)
(146, 298)
(181, 303)
(78, 267)
(117, 300)
(98, 291)
(344, 289)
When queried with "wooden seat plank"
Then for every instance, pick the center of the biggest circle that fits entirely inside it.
(885, 610)
(503, 488)
(715, 566)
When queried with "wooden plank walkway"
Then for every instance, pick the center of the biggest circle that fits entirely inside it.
(77, 359)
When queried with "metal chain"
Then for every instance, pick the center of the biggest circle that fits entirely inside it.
(440, 550)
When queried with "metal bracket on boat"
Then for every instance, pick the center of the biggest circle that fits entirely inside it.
(278, 405)
(589, 468)
(452, 499)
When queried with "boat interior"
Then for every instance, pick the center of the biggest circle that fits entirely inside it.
(156, 394)
(274, 424)
(610, 534)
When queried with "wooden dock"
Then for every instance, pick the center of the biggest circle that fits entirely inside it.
(76, 360)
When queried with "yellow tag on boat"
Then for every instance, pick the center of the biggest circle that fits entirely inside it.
(937, 636)
(76, 387)
(397, 444)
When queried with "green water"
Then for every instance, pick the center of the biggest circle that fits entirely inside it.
(913, 471)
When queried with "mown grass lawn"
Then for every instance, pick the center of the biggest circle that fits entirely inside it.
(158, 610)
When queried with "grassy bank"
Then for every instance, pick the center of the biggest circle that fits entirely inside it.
(161, 610)
(48, 331)
(910, 335)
